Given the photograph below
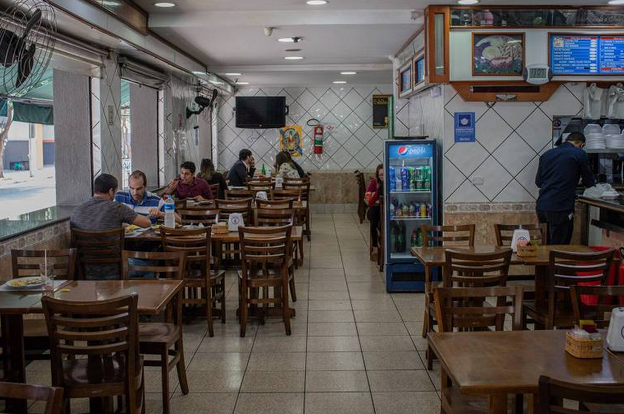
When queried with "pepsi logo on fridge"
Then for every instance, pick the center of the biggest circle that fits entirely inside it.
(410, 151)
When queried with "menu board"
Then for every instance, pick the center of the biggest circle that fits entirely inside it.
(575, 54)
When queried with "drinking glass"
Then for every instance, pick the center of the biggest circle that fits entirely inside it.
(47, 273)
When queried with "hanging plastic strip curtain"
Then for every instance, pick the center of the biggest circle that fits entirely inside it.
(26, 112)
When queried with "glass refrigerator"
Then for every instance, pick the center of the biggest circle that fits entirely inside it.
(411, 180)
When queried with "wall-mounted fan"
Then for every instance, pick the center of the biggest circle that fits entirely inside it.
(203, 102)
(26, 45)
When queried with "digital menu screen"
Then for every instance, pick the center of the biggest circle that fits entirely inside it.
(573, 54)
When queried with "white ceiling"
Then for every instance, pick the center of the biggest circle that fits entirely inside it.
(345, 34)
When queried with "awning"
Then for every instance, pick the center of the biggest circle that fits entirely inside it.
(27, 112)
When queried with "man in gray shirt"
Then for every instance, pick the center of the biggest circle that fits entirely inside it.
(101, 213)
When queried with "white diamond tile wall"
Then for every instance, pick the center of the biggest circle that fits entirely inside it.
(352, 144)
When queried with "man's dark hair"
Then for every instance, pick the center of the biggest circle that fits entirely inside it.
(138, 174)
(104, 183)
(188, 165)
(243, 154)
(576, 137)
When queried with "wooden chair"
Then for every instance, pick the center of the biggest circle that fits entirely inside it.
(238, 194)
(94, 349)
(593, 398)
(256, 186)
(180, 203)
(359, 179)
(281, 204)
(214, 189)
(163, 339)
(304, 179)
(195, 216)
(271, 217)
(203, 286)
(281, 194)
(98, 252)
(566, 269)
(53, 396)
(601, 311)
(468, 309)
(229, 253)
(265, 255)
(304, 188)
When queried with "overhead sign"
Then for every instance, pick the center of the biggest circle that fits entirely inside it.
(577, 54)
(464, 127)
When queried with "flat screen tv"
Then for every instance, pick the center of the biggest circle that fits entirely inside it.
(260, 112)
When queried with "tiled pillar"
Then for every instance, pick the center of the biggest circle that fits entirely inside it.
(72, 131)
(144, 125)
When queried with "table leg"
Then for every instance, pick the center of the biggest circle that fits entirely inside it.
(541, 287)
(498, 404)
(426, 326)
(14, 364)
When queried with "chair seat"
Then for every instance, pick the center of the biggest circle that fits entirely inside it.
(158, 333)
(81, 373)
(456, 403)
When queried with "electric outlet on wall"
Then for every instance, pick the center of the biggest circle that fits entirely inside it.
(477, 180)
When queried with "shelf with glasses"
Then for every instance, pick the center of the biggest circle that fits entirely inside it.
(605, 151)
(411, 192)
(409, 218)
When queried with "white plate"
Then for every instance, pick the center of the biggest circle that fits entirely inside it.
(17, 283)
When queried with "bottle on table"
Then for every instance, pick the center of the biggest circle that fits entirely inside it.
(169, 212)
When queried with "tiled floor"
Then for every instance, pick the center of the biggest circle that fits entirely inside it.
(354, 348)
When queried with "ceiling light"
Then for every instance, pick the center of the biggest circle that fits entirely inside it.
(242, 83)
(293, 57)
(340, 82)
(316, 2)
(293, 39)
(467, 2)
(164, 5)
(292, 50)
(214, 82)
(348, 72)
(616, 2)
(198, 72)
(233, 74)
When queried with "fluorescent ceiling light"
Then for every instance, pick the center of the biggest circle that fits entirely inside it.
(293, 57)
(164, 5)
(348, 72)
(233, 74)
(467, 2)
(340, 82)
(616, 2)
(242, 83)
(293, 39)
(197, 72)
(214, 82)
(316, 2)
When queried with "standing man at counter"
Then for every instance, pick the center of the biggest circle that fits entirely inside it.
(557, 178)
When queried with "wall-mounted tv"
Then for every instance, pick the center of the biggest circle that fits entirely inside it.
(261, 112)
(586, 54)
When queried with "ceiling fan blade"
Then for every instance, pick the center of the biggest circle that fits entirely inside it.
(34, 19)
(25, 66)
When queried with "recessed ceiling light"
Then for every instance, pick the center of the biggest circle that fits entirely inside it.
(293, 57)
(616, 2)
(348, 72)
(316, 2)
(293, 39)
(340, 82)
(242, 83)
(164, 5)
(467, 2)
(233, 74)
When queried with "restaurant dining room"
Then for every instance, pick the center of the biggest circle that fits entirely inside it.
(312, 206)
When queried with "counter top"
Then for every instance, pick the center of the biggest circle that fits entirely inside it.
(614, 205)
(34, 220)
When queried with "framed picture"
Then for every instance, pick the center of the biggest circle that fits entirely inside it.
(497, 54)
(405, 79)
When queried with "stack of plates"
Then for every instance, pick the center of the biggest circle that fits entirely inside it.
(611, 129)
(613, 141)
(595, 141)
(591, 129)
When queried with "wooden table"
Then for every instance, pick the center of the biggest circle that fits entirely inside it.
(496, 364)
(154, 295)
(153, 235)
(297, 205)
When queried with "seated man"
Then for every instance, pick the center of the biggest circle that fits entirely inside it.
(138, 198)
(242, 169)
(101, 213)
(189, 186)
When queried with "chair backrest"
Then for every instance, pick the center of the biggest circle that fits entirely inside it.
(53, 396)
(552, 393)
(98, 248)
(304, 179)
(273, 217)
(478, 307)
(100, 330)
(180, 203)
(205, 216)
(238, 194)
(27, 262)
(283, 194)
(464, 269)
(284, 204)
(214, 189)
(265, 247)
(304, 187)
(504, 233)
(448, 235)
(196, 243)
(165, 265)
(228, 207)
(260, 186)
(606, 298)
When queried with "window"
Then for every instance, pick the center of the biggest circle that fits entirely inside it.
(126, 134)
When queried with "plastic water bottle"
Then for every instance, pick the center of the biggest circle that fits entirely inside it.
(169, 212)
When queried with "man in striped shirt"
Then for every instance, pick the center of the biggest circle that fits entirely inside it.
(138, 198)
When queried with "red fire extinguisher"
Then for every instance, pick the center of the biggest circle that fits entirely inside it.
(318, 139)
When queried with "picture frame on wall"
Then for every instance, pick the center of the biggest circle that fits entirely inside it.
(498, 53)
(405, 79)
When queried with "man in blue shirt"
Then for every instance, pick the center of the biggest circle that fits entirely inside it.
(138, 198)
(557, 178)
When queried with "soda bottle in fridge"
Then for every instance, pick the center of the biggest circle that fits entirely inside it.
(414, 238)
(392, 178)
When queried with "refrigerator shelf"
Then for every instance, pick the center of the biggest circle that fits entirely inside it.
(409, 218)
(411, 192)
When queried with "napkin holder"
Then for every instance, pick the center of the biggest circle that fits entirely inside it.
(262, 195)
(279, 181)
(235, 221)
(519, 235)
(220, 228)
(615, 334)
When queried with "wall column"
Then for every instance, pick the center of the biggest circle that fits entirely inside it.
(72, 131)
(144, 130)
